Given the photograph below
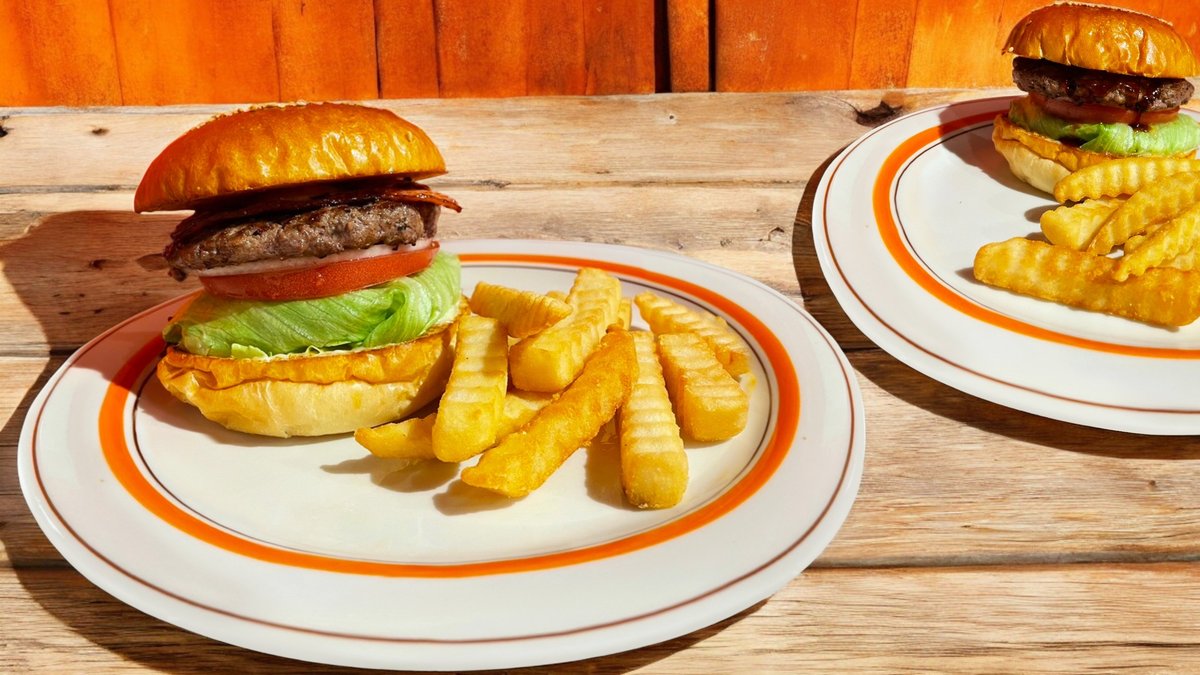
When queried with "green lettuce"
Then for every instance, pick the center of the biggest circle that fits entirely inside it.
(1180, 135)
(400, 310)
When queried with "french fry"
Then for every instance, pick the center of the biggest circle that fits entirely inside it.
(407, 439)
(1074, 225)
(1176, 236)
(654, 466)
(1119, 177)
(1167, 297)
(625, 313)
(469, 413)
(522, 313)
(665, 316)
(1156, 202)
(521, 462)
(413, 438)
(709, 404)
(1188, 260)
(551, 359)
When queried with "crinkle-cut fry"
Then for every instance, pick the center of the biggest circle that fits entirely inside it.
(654, 466)
(413, 438)
(1162, 296)
(1074, 225)
(521, 462)
(550, 360)
(709, 404)
(625, 313)
(469, 413)
(1175, 237)
(1117, 177)
(522, 313)
(665, 316)
(1157, 202)
(407, 439)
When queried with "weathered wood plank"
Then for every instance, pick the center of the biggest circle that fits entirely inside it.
(325, 50)
(779, 45)
(760, 138)
(1130, 618)
(73, 271)
(883, 35)
(482, 48)
(59, 53)
(407, 49)
(176, 51)
(688, 45)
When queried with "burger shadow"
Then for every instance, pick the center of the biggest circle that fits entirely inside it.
(906, 384)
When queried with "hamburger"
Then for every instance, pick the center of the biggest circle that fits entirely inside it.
(1102, 82)
(326, 302)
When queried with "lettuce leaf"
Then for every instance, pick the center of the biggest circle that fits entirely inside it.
(1180, 135)
(400, 310)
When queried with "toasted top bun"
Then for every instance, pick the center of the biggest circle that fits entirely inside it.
(277, 146)
(1103, 38)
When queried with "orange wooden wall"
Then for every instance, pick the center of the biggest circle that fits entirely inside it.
(149, 52)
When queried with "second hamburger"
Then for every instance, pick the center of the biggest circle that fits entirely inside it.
(1102, 82)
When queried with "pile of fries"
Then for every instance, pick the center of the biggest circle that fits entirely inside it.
(1124, 242)
(535, 377)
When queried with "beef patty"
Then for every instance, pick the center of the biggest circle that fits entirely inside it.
(1083, 86)
(317, 232)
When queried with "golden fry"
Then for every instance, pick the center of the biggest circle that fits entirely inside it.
(522, 313)
(1175, 237)
(469, 413)
(550, 360)
(625, 313)
(1119, 177)
(1157, 202)
(1168, 297)
(407, 439)
(654, 466)
(522, 461)
(665, 316)
(1074, 225)
(709, 404)
(413, 438)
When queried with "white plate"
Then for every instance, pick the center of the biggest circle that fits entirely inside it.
(313, 550)
(897, 220)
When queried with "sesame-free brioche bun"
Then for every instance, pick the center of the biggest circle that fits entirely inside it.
(312, 395)
(1103, 38)
(277, 146)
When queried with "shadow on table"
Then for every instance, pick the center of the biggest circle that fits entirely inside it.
(908, 385)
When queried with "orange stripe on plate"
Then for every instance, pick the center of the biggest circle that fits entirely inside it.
(114, 442)
(889, 231)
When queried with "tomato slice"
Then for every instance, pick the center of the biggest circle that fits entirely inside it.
(1102, 114)
(323, 280)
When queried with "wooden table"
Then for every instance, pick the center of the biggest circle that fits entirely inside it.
(983, 539)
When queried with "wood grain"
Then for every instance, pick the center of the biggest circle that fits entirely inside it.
(175, 51)
(481, 48)
(1135, 618)
(325, 50)
(406, 38)
(688, 42)
(59, 52)
(778, 45)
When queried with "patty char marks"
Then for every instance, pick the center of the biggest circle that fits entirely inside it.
(318, 232)
(1083, 86)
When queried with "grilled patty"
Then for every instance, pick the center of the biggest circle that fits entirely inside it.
(318, 232)
(1082, 86)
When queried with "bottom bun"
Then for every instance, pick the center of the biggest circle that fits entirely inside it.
(1039, 160)
(275, 397)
